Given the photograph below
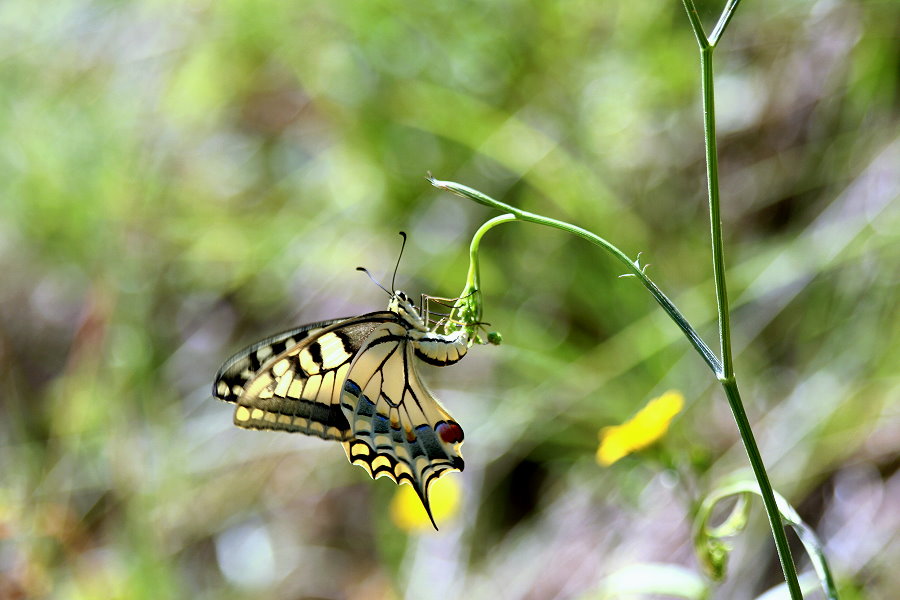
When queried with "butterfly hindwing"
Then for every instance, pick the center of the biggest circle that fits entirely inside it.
(400, 429)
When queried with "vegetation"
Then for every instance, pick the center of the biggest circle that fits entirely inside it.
(180, 180)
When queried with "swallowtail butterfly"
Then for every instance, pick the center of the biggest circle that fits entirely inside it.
(354, 380)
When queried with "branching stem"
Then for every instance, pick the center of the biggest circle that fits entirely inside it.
(633, 266)
(723, 369)
(727, 377)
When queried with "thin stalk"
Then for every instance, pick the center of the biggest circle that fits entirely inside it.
(724, 369)
(729, 384)
(635, 268)
(696, 25)
(724, 20)
(473, 279)
(468, 308)
(765, 488)
(715, 219)
(706, 538)
(727, 377)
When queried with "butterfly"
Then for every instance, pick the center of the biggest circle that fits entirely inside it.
(354, 380)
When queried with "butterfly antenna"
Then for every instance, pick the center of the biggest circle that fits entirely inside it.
(366, 271)
(397, 266)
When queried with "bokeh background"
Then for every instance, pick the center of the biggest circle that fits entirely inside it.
(178, 180)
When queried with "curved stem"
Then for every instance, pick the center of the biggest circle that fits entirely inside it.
(728, 383)
(737, 520)
(473, 279)
(724, 369)
(467, 309)
(633, 266)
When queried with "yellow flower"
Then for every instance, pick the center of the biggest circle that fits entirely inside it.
(408, 513)
(644, 428)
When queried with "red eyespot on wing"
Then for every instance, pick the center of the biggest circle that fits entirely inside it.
(450, 432)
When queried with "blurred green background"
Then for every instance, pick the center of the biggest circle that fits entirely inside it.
(178, 180)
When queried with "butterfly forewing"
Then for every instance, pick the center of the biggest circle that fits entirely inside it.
(298, 390)
(243, 366)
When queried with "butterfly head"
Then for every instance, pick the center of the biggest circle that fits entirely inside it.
(402, 305)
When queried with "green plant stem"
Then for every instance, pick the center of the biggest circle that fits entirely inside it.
(727, 377)
(723, 370)
(724, 20)
(473, 279)
(715, 218)
(468, 308)
(765, 488)
(633, 266)
(696, 25)
(729, 384)
(737, 520)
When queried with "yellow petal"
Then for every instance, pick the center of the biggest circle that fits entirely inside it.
(642, 430)
(612, 446)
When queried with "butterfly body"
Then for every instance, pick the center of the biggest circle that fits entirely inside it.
(354, 380)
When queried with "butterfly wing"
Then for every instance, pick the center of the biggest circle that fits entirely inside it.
(298, 389)
(243, 366)
(400, 430)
